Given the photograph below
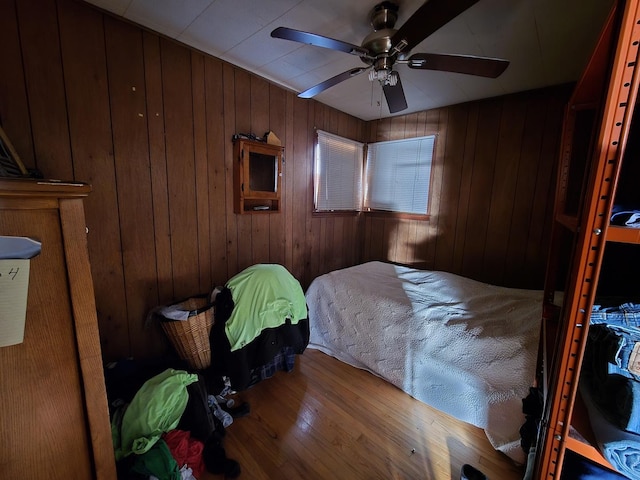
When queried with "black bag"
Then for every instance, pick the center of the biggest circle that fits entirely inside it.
(198, 418)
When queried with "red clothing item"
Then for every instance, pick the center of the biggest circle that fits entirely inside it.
(185, 450)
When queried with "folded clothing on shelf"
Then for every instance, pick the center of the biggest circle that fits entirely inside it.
(620, 448)
(611, 374)
(625, 217)
(625, 315)
(610, 384)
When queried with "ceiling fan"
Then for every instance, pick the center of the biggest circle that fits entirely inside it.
(386, 47)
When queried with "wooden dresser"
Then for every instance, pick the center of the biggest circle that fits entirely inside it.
(54, 420)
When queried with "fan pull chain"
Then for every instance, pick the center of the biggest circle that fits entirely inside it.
(378, 102)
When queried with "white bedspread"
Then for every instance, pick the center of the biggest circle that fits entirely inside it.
(464, 347)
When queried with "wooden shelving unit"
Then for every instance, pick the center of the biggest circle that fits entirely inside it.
(596, 129)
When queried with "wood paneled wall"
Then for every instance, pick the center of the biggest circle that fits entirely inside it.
(148, 122)
(491, 189)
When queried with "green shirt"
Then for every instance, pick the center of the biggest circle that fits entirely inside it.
(156, 408)
(264, 296)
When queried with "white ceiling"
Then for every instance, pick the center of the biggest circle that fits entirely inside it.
(548, 42)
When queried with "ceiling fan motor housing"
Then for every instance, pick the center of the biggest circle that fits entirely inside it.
(379, 44)
(384, 15)
(383, 18)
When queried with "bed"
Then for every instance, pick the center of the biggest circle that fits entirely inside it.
(464, 347)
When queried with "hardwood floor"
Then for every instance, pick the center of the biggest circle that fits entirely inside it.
(328, 420)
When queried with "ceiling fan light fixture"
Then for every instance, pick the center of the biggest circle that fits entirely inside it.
(385, 77)
(380, 75)
(392, 79)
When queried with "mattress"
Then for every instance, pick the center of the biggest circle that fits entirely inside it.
(464, 347)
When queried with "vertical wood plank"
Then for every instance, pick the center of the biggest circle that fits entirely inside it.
(305, 276)
(229, 130)
(131, 157)
(402, 241)
(201, 171)
(541, 217)
(422, 124)
(451, 176)
(465, 188)
(420, 249)
(322, 249)
(412, 242)
(327, 249)
(365, 245)
(178, 117)
(87, 336)
(14, 106)
(481, 183)
(412, 125)
(384, 130)
(289, 180)
(397, 127)
(351, 240)
(536, 110)
(214, 99)
(503, 188)
(44, 78)
(337, 257)
(371, 132)
(158, 164)
(85, 74)
(300, 151)
(243, 125)
(259, 125)
(277, 122)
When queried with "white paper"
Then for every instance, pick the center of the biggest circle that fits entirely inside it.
(14, 286)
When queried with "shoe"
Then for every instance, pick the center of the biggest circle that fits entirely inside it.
(470, 473)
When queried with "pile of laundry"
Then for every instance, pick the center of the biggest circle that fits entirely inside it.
(167, 426)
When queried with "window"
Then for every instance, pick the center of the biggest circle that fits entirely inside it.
(337, 173)
(397, 176)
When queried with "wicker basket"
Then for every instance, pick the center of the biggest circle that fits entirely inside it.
(190, 337)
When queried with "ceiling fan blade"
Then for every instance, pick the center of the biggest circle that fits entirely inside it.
(468, 64)
(321, 87)
(396, 100)
(432, 15)
(319, 41)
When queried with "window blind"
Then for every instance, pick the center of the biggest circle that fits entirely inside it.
(398, 175)
(338, 173)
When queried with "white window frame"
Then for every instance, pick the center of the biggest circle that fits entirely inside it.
(350, 176)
